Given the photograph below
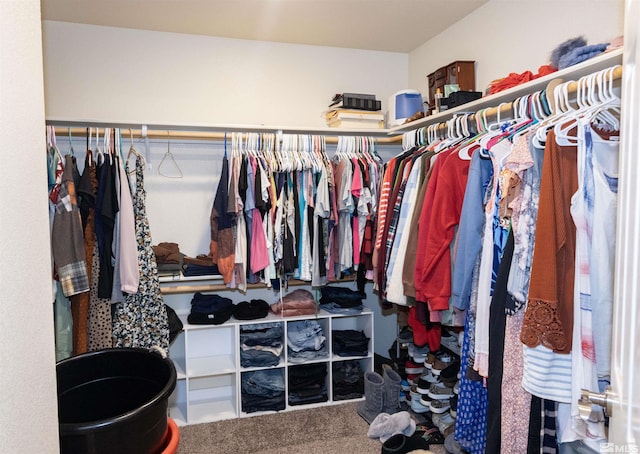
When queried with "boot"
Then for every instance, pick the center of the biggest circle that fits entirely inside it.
(373, 396)
(392, 388)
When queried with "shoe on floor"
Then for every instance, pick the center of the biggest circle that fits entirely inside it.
(400, 444)
(439, 406)
(453, 402)
(452, 446)
(412, 368)
(440, 391)
(425, 381)
(443, 421)
(418, 407)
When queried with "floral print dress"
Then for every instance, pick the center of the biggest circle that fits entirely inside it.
(141, 321)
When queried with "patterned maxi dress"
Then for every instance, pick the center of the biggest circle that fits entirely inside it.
(141, 321)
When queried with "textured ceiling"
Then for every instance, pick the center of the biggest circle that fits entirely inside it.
(383, 25)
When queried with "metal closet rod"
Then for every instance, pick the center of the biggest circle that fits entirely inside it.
(205, 135)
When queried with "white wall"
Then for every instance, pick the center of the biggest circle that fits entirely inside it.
(28, 418)
(124, 75)
(505, 36)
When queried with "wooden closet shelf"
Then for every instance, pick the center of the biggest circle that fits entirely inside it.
(193, 288)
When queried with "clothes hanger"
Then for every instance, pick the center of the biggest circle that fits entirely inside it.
(169, 155)
(132, 152)
(70, 152)
(558, 110)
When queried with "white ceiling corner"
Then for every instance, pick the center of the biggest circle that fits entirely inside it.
(382, 25)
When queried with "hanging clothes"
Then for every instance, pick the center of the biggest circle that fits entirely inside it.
(67, 236)
(80, 303)
(222, 246)
(141, 321)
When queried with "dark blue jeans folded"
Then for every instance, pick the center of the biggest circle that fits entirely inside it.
(258, 358)
(263, 383)
(252, 404)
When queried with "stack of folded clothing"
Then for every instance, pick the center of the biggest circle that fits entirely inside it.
(305, 341)
(263, 390)
(201, 265)
(350, 343)
(341, 300)
(261, 344)
(251, 310)
(348, 380)
(209, 309)
(168, 258)
(298, 302)
(307, 384)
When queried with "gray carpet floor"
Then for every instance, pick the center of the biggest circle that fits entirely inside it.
(333, 429)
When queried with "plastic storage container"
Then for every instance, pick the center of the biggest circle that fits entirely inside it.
(114, 401)
(404, 104)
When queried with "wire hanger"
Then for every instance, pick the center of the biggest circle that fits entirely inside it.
(169, 155)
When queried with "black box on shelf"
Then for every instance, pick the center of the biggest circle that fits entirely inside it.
(459, 98)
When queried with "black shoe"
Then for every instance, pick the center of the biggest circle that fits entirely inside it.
(401, 444)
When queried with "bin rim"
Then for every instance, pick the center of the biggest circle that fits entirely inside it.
(164, 393)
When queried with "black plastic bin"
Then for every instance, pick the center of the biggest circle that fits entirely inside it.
(114, 401)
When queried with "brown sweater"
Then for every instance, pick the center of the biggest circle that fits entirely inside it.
(548, 318)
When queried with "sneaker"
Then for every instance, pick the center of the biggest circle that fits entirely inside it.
(419, 354)
(425, 381)
(412, 368)
(449, 373)
(402, 397)
(425, 400)
(405, 385)
(441, 363)
(412, 379)
(405, 336)
(453, 403)
(440, 391)
(431, 358)
(414, 394)
(439, 406)
(456, 388)
(418, 407)
(443, 421)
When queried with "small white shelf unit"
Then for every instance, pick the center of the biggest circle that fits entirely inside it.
(209, 372)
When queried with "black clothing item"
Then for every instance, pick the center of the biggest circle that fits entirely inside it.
(252, 403)
(348, 380)
(175, 324)
(210, 309)
(535, 426)
(497, 326)
(251, 310)
(342, 296)
(349, 342)
(107, 211)
(86, 196)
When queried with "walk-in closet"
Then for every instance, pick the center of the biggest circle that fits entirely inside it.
(457, 278)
